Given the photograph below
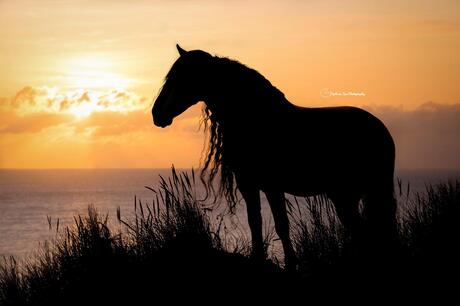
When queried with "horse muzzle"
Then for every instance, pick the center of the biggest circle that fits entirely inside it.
(162, 122)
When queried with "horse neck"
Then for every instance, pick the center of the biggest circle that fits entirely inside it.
(246, 108)
(236, 92)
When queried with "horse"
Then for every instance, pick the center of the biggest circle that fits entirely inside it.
(263, 142)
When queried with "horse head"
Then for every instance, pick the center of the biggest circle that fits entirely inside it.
(184, 86)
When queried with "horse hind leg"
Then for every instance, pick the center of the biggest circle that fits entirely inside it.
(380, 214)
(277, 203)
(347, 209)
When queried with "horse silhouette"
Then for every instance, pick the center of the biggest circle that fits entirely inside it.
(261, 141)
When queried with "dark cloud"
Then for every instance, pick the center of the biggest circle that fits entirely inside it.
(26, 95)
(64, 105)
(84, 97)
(427, 137)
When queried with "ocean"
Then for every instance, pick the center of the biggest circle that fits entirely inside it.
(29, 197)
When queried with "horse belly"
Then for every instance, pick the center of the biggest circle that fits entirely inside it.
(308, 157)
(309, 171)
(293, 177)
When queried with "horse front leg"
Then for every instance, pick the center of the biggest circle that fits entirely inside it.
(251, 196)
(277, 203)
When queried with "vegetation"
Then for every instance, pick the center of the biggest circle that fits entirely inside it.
(172, 250)
(430, 234)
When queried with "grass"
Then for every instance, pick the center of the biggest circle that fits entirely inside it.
(168, 246)
(431, 234)
(170, 249)
(320, 240)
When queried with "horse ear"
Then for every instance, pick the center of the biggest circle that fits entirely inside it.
(181, 51)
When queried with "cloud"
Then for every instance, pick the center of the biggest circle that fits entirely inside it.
(109, 113)
(427, 137)
(31, 100)
(33, 109)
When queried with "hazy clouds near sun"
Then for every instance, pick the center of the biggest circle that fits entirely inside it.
(427, 137)
(39, 128)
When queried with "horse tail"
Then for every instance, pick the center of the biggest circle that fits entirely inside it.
(380, 205)
(380, 210)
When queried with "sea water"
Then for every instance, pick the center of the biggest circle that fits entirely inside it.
(29, 197)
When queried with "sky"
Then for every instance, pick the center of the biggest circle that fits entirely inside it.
(78, 78)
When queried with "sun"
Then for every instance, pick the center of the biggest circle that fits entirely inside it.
(98, 79)
(94, 71)
(83, 110)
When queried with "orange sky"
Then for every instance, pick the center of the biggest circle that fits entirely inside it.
(78, 77)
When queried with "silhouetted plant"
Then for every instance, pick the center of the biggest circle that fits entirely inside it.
(319, 238)
(431, 231)
(170, 242)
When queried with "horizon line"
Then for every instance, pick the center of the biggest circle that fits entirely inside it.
(195, 168)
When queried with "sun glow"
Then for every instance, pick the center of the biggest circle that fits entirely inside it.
(97, 79)
(94, 71)
(83, 110)
(78, 103)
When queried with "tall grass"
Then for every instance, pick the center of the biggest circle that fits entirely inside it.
(318, 236)
(431, 233)
(171, 245)
(429, 254)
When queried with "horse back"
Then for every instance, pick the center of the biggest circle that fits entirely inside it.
(316, 147)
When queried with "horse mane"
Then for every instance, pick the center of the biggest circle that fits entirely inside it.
(255, 87)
